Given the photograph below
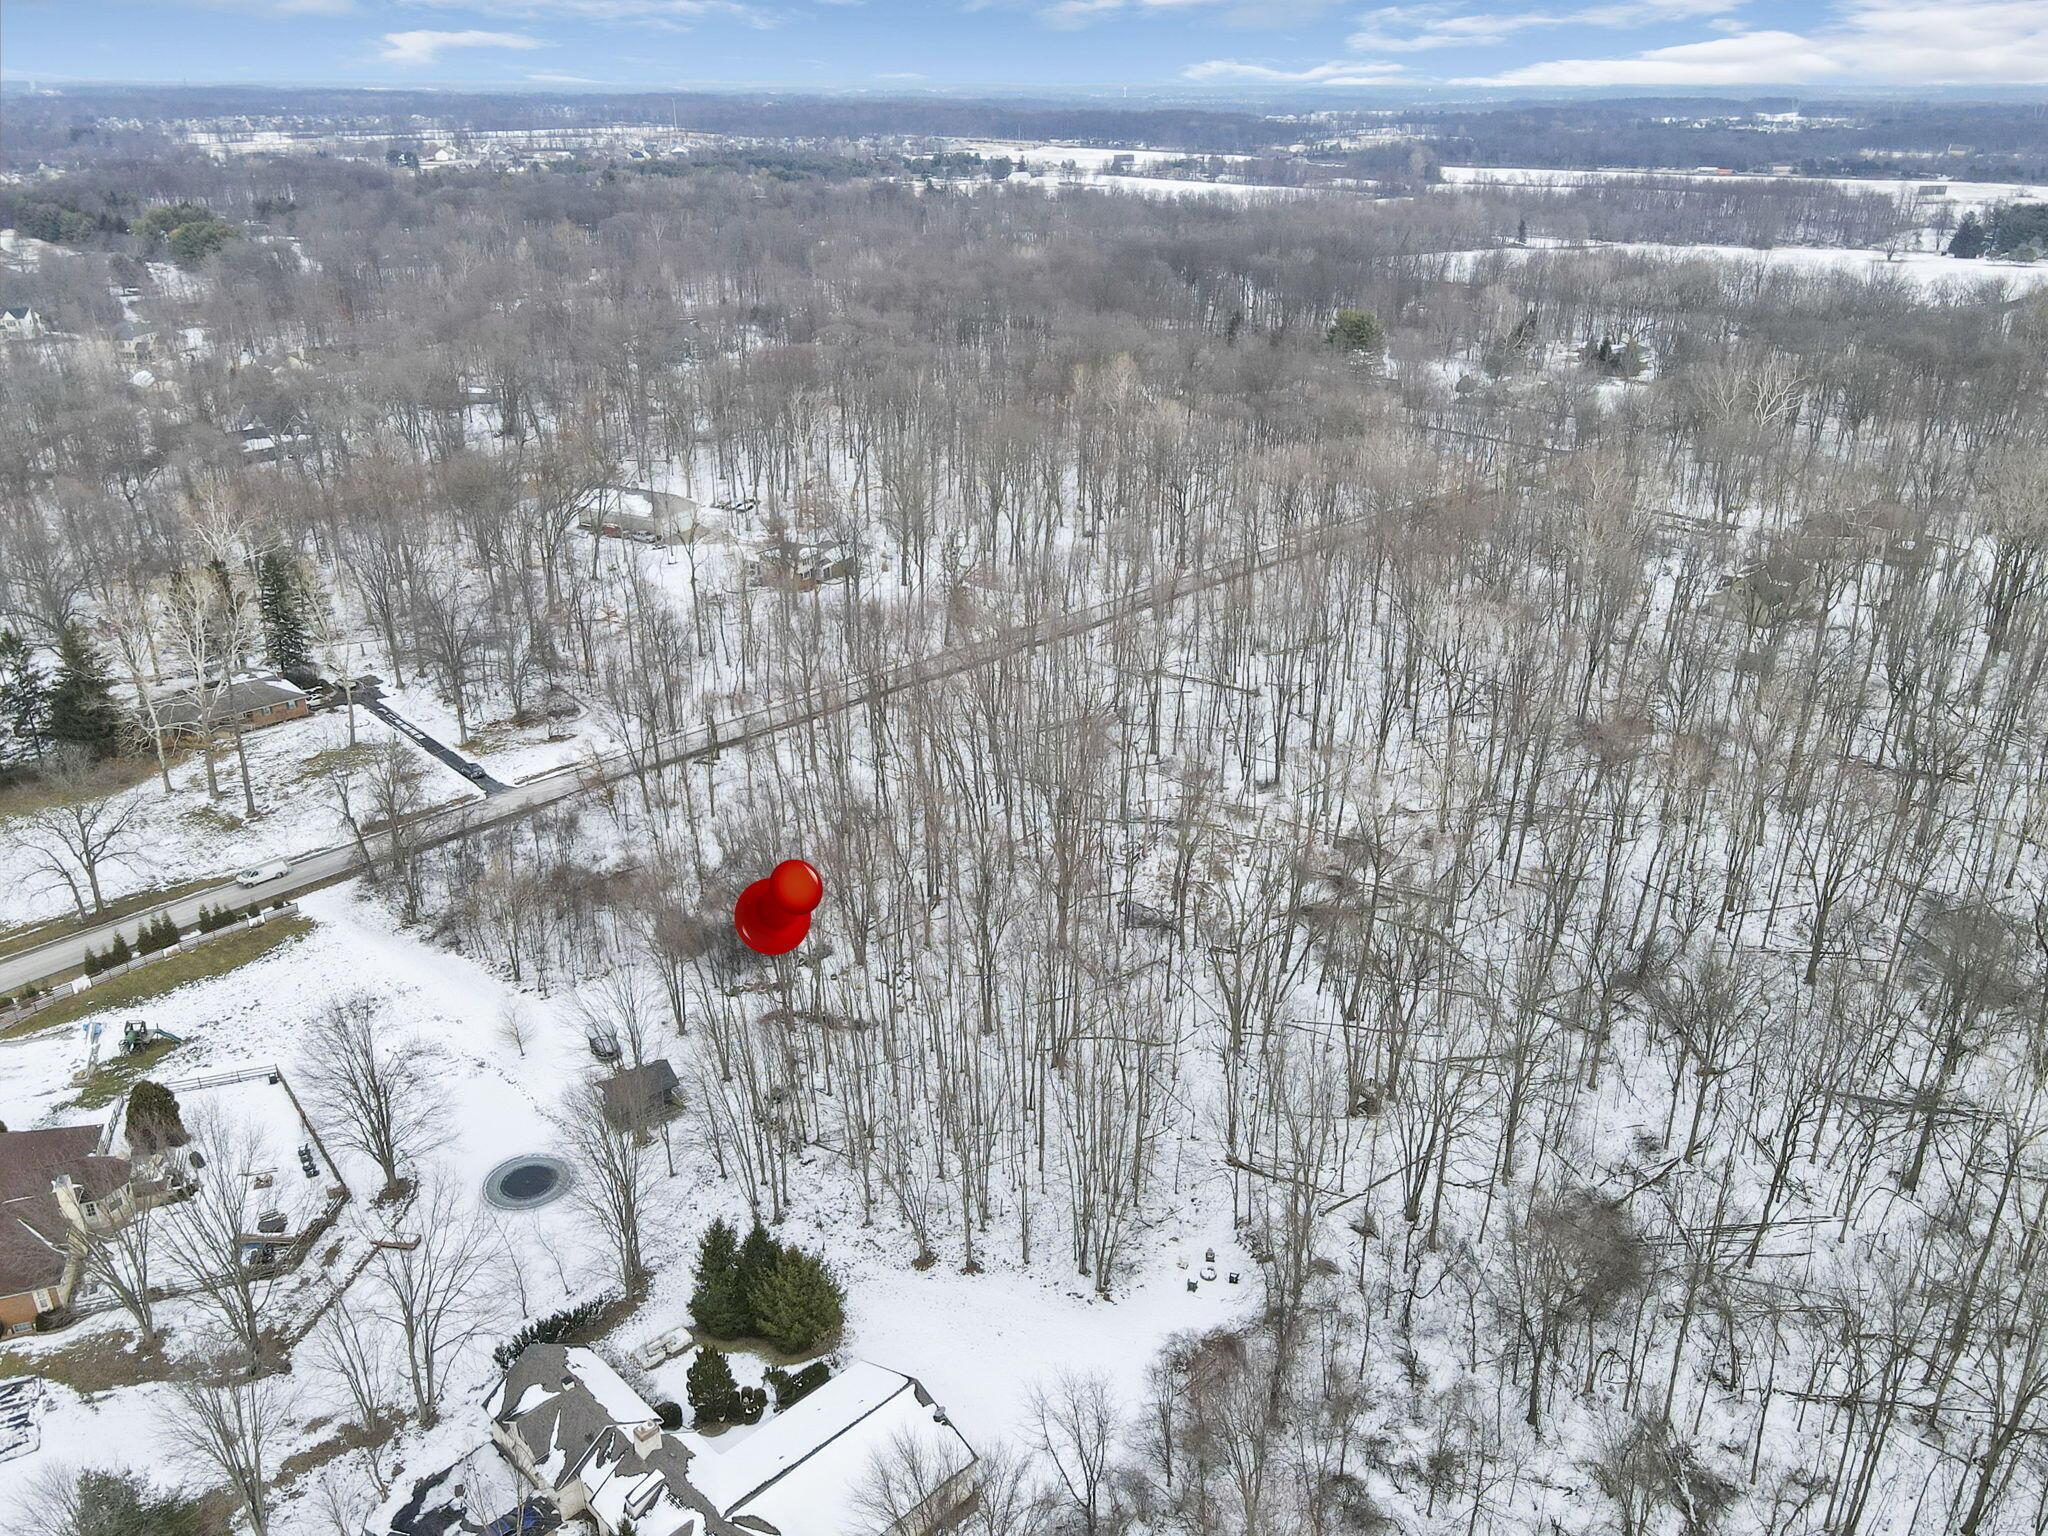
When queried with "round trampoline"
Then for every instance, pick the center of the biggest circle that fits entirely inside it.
(521, 1183)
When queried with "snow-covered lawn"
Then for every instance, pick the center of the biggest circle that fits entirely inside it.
(978, 1342)
(184, 836)
(512, 753)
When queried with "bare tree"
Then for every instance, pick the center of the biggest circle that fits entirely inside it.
(117, 1256)
(347, 1351)
(611, 1179)
(235, 1430)
(432, 1284)
(1075, 1426)
(623, 1005)
(909, 1486)
(515, 1024)
(375, 1093)
(83, 826)
(397, 794)
(206, 1236)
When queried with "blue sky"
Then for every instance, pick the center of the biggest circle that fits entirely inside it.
(1221, 47)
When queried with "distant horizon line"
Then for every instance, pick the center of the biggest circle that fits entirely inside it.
(1373, 97)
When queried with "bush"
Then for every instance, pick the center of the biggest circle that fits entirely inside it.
(670, 1415)
(213, 919)
(555, 1328)
(158, 933)
(797, 1305)
(118, 952)
(753, 1402)
(792, 1388)
(714, 1395)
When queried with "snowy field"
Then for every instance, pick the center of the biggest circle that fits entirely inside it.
(1923, 269)
(1173, 187)
(1091, 159)
(1960, 196)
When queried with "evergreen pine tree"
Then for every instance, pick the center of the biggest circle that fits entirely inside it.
(1969, 241)
(714, 1395)
(24, 693)
(757, 1258)
(797, 1304)
(718, 1303)
(82, 712)
(281, 604)
(1357, 331)
(124, 1504)
(154, 1117)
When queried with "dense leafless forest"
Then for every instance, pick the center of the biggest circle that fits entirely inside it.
(1551, 820)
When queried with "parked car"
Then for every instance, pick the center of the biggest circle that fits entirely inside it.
(472, 770)
(263, 874)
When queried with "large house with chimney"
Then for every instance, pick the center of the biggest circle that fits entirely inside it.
(581, 1435)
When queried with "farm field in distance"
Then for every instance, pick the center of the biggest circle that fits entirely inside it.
(1424, 727)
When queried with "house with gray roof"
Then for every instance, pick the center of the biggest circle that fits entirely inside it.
(583, 1436)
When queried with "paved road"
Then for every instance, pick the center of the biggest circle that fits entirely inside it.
(509, 802)
(369, 698)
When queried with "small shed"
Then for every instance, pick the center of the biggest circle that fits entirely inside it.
(641, 1095)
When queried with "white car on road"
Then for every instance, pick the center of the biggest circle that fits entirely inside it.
(263, 874)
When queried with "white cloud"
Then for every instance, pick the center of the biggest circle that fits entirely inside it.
(1075, 13)
(1438, 24)
(1242, 13)
(424, 47)
(285, 7)
(654, 12)
(1418, 28)
(1341, 72)
(1873, 42)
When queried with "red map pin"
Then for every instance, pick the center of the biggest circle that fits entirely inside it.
(774, 915)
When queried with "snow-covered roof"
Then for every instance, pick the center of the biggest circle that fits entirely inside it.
(621, 1404)
(801, 1472)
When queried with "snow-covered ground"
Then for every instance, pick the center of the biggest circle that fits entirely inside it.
(1924, 269)
(184, 836)
(1002, 1332)
(1959, 196)
(1174, 187)
(1093, 159)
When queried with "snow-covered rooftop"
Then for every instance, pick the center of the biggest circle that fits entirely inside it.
(831, 1451)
